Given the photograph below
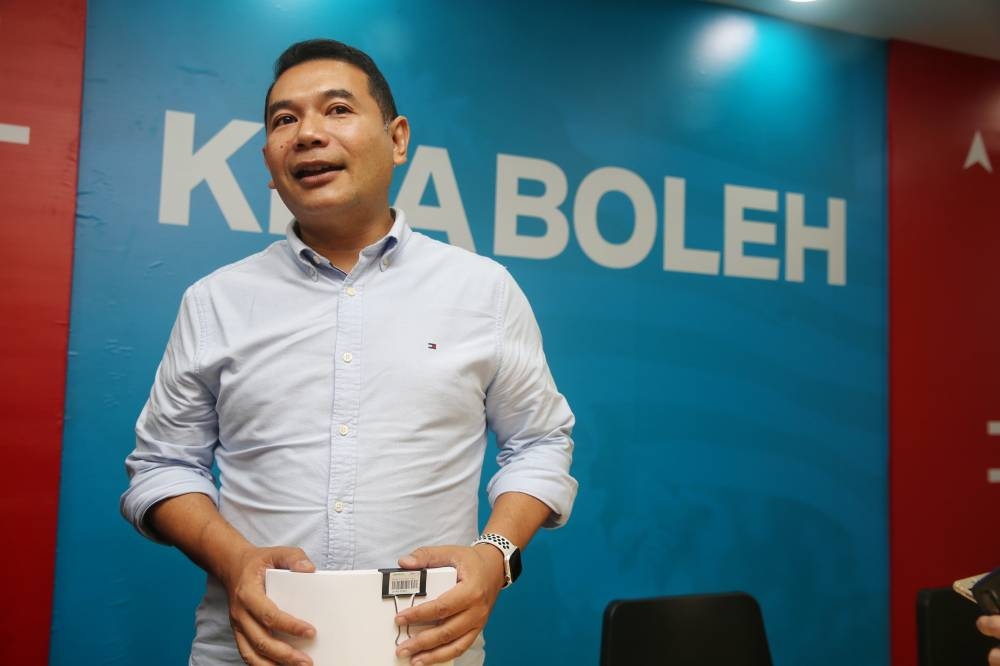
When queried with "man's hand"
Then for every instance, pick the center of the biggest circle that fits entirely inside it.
(254, 617)
(990, 625)
(462, 611)
(193, 523)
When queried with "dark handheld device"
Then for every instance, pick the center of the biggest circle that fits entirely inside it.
(983, 589)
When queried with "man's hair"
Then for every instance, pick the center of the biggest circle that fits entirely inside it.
(331, 49)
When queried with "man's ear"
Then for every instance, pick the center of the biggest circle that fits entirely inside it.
(399, 132)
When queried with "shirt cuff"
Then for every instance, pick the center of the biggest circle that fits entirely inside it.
(153, 487)
(557, 491)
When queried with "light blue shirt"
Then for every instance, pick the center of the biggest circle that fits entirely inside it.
(347, 413)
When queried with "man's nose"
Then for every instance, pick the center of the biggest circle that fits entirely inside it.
(311, 131)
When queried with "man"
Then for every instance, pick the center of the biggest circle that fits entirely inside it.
(342, 380)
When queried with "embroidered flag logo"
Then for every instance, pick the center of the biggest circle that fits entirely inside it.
(432, 345)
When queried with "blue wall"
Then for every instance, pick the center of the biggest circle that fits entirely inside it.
(731, 422)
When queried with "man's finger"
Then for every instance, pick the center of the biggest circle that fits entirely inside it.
(446, 652)
(448, 604)
(287, 624)
(266, 613)
(450, 631)
(293, 559)
(433, 637)
(265, 646)
(248, 654)
(262, 644)
(429, 556)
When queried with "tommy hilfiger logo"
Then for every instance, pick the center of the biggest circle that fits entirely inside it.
(432, 345)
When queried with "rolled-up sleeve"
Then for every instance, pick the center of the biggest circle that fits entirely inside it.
(532, 420)
(177, 430)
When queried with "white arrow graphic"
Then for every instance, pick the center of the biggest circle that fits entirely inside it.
(14, 133)
(977, 154)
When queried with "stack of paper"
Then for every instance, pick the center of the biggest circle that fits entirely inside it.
(354, 623)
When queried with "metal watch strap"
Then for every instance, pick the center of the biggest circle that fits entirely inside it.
(509, 550)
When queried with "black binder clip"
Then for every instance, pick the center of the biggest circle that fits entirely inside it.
(398, 583)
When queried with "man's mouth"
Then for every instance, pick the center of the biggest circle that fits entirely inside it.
(316, 169)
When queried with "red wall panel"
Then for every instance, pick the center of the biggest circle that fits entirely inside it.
(41, 69)
(944, 280)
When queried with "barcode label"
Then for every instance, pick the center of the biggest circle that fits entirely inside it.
(402, 582)
(407, 582)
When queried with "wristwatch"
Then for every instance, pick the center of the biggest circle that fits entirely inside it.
(511, 555)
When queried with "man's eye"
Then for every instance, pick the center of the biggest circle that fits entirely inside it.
(283, 120)
(339, 109)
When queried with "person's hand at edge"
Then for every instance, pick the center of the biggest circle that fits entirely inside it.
(990, 626)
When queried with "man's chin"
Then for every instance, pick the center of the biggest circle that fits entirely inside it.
(322, 207)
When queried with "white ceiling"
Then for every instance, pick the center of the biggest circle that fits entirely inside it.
(966, 26)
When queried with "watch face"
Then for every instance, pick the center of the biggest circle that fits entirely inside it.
(515, 565)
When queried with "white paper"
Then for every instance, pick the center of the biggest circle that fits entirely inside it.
(354, 624)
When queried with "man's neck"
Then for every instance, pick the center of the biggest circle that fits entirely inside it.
(342, 238)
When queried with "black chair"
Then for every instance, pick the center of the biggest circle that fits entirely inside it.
(692, 630)
(946, 630)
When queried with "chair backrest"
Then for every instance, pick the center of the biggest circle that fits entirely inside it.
(946, 630)
(692, 630)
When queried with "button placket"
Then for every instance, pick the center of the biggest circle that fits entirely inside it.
(344, 445)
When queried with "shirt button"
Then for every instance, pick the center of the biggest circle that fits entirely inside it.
(343, 429)
(338, 506)
(351, 291)
(348, 357)
(385, 263)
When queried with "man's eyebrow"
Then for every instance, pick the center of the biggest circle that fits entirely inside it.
(333, 93)
(340, 93)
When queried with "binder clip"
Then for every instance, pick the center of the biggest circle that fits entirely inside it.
(398, 583)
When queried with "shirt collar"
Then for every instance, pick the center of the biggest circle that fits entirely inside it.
(384, 249)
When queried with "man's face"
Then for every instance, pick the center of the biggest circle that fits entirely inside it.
(328, 148)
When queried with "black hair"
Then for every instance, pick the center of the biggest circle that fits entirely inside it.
(331, 49)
